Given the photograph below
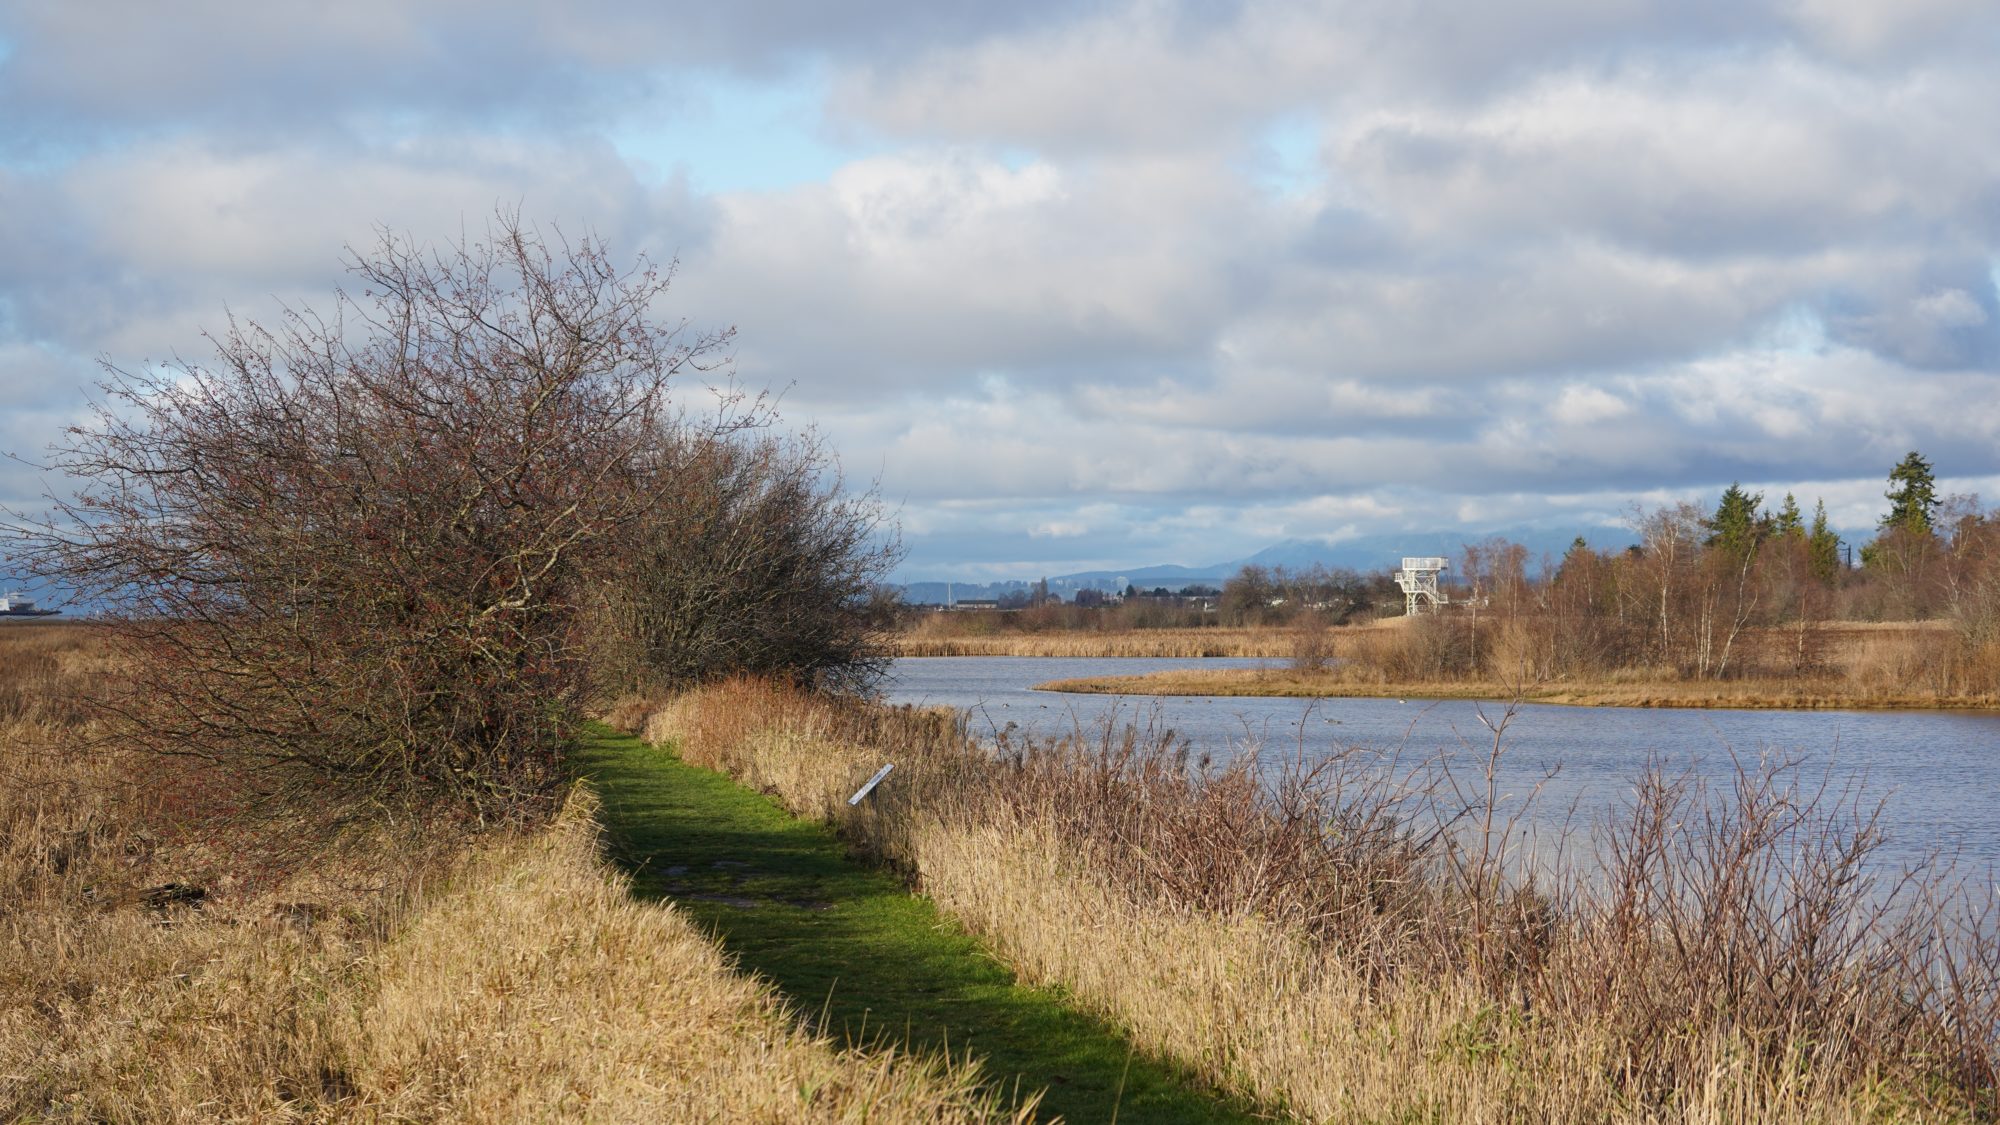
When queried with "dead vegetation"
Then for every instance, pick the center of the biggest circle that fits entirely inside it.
(289, 830)
(1860, 666)
(1356, 939)
(165, 955)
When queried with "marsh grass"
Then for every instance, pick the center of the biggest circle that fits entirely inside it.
(386, 966)
(868, 961)
(538, 988)
(42, 668)
(1856, 666)
(1358, 938)
(145, 974)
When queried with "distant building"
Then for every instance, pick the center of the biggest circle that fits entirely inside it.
(1419, 581)
(976, 603)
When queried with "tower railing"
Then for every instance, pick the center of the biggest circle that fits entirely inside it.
(1419, 582)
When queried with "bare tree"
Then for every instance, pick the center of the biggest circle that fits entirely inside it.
(1671, 541)
(358, 541)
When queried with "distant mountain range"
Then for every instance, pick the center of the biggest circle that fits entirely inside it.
(1365, 554)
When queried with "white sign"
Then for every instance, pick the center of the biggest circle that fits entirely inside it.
(872, 783)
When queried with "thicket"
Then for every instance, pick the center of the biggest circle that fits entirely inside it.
(1255, 596)
(1317, 594)
(403, 543)
(749, 555)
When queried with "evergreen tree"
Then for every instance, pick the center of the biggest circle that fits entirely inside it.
(1823, 546)
(1789, 524)
(1912, 495)
(1736, 527)
(1576, 560)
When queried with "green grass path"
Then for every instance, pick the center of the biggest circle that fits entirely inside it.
(850, 944)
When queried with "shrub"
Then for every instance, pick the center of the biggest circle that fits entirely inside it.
(1312, 647)
(745, 555)
(359, 542)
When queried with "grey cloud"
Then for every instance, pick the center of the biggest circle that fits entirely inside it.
(1748, 417)
(1866, 31)
(1144, 75)
(906, 268)
(1343, 236)
(1282, 403)
(1943, 318)
(1646, 181)
(128, 254)
(39, 397)
(1042, 274)
(1766, 155)
(291, 64)
(1556, 308)
(106, 69)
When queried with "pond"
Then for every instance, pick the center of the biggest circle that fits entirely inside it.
(1937, 771)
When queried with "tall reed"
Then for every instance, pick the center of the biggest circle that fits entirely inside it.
(1356, 937)
(409, 969)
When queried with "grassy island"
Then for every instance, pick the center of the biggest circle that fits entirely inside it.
(1759, 695)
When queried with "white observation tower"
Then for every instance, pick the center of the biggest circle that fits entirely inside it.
(1419, 580)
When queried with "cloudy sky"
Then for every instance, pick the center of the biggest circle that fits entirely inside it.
(1103, 284)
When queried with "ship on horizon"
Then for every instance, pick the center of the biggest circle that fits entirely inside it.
(14, 605)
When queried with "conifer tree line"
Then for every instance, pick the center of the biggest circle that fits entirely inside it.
(409, 542)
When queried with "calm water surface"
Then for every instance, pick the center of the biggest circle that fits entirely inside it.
(1939, 771)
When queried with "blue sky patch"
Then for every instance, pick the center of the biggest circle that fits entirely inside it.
(734, 134)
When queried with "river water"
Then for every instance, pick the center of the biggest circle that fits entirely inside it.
(1937, 771)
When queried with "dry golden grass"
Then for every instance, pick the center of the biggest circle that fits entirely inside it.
(1285, 1020)
(1862, 666)
(114, 1010)
(1358, 975)
(1623, 691)
(413, 970)
(538, 989)
(42, 668)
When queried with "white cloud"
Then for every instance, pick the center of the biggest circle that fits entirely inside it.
(1864, 28)
(1580, 405)
(942, 260)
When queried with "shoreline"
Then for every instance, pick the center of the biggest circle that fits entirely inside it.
(1736, 695)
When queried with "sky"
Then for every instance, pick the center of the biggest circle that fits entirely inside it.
(1083, 285)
